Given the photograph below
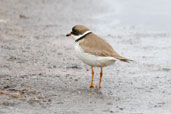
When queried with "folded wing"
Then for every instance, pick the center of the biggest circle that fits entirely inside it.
(99, 47)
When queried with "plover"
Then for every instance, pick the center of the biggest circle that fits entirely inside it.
(93, 50)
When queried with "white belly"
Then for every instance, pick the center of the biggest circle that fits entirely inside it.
(92, 60)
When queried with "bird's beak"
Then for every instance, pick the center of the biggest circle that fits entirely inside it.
(69, 34)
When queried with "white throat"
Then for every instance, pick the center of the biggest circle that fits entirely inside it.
(79, 36)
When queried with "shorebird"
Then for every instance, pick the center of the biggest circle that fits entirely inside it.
(93, 50)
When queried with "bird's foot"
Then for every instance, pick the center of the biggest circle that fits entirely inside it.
(99, 87)
(92, 86)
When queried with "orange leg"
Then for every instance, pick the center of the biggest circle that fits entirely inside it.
(101, 73)
(92, 84)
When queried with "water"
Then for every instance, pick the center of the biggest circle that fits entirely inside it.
(147, 15)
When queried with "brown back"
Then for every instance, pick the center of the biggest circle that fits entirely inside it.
(95, 45)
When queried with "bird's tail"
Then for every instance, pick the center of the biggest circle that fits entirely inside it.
(123, 59)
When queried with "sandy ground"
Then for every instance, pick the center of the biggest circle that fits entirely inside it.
(39, 73)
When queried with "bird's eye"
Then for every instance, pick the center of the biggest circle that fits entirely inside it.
(75, 32)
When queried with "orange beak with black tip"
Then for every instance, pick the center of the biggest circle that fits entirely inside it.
(69, 34)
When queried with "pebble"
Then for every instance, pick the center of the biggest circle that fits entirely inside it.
(74, 67)
(111, 111)
(15, 95)
(60, 103)
(3, 92)
(76, 79)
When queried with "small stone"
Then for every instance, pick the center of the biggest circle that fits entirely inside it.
(161, 103)
(15, 95)
(40, 97)
(12, 58)
(60, 103)
(109, 103)
(76, 79)
(44, 101)
(111, 111)
(74, 67)
(22, 92)
(57, 76)
(3, 92)
(49, 100)
(12, 89)
(23, 16)
(70, 78)
(59, 53)
(155, 106)
(6, 103)
(121, 108)
(7, 86)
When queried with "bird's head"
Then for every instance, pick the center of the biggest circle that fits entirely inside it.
(78, 31)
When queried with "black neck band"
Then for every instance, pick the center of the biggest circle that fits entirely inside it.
(82, 37)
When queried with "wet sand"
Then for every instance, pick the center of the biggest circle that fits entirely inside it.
(39, 72)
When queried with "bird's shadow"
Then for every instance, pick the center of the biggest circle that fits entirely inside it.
(96, 92)
(90, 90)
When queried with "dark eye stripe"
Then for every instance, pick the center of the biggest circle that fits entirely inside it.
(74, 32)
